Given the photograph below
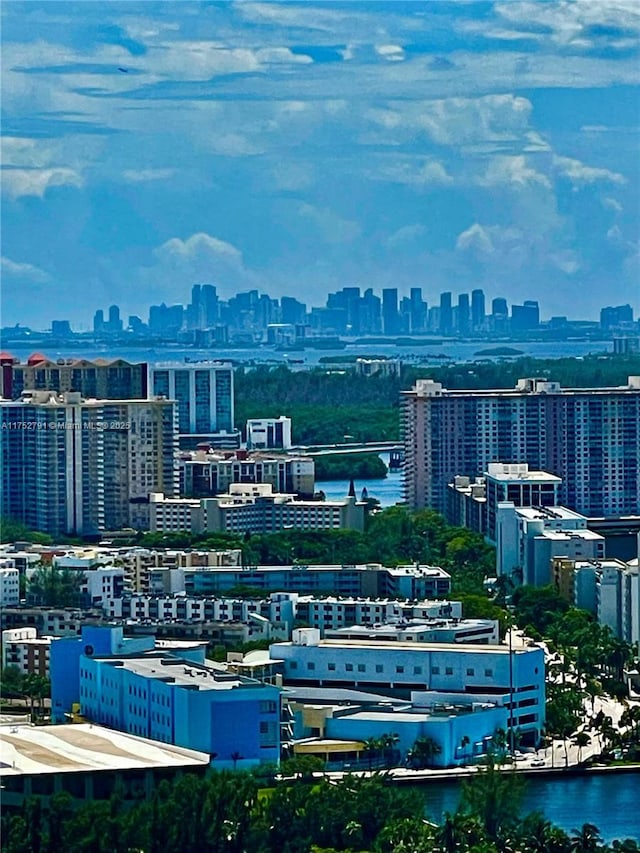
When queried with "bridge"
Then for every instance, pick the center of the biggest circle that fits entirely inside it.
(395, 449)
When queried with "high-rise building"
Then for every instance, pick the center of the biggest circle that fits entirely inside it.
(104, 380)
(418, 311)
(370, 313)
(98, 321)
(588, 437)
(525, 317)
(464, 314)
(611, 317)
(292, 311)
(203, 392)
(390, 316)
(115, 323)
(79, 466)
(166, 320)
(446, 314)
(477, 310)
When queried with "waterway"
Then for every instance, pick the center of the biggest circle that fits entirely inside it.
(388, 490)
(608, 800)
(437, 352)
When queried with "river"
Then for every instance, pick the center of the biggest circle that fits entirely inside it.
(608, 800)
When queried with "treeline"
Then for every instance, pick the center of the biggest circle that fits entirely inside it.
(236, 813)
(366, 466)
(326, 406)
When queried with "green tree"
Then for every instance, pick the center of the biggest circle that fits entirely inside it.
(493, 796)
(51, 586)
(423, 752)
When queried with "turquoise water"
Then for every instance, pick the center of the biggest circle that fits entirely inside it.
(609, 800)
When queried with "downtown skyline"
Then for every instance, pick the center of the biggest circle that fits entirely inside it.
(301, 148)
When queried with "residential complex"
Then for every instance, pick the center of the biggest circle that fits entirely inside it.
(269, 433)
(84, 466)
(254, 508)
(203, 392)
(590, 438)
(206, 472)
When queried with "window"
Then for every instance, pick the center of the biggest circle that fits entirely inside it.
(417, 670)
(331, 667)
(488, 673)
(293, 664)
(470, 670)
(349, 667)
(379, 667)
(267, 706)
(435, 670)
(400, 669)
(362, 667)
(448, 670)
(311, 665)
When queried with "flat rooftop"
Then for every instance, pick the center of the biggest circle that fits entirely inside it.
(387, 645)
(549, 513)
(182, 673)
(26, 749)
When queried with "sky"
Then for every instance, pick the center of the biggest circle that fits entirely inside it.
(299, 147)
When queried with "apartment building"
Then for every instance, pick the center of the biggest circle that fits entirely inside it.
(206, 472)
(203, 392)
(368, 581)
(9, 585)
(23, 648)
(331, 613)
(254, 508)
(78, 466)
(590, 438)
(101, 379)
(529, 538)
(269, 433)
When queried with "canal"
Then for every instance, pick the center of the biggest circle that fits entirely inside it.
(608, 800)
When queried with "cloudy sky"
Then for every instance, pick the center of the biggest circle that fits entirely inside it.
(300, 147)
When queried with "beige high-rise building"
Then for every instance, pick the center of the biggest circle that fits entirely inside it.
(589, 437)
(71, 465)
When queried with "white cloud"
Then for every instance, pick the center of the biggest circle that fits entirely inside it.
(143, 175)
(476, 239)
(411, 171)
(25, 271)
(612, 204)
(512, 171)
(331, 227)
(391, 52)
(17, 183)
(200, 244)
(406, 235)
(581, 175)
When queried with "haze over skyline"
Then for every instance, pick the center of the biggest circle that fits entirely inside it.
(301, 147)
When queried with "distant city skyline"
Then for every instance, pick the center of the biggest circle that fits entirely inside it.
(299, 148)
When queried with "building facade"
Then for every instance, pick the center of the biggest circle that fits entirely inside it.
(76, 466)
(207, 473)
(396, 668)
(269, 433)
(590, 438)
(166, 695)
(203, 392)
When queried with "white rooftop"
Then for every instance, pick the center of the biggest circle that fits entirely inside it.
(72, 748)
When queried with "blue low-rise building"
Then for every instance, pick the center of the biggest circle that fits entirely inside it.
(166, 694)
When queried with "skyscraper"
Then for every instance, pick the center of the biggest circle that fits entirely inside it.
(390, 316)
(446, 314)
(418, 311)
(85, 466)
(203, 392)
(477, 310)
(588, 437)
(464, 315)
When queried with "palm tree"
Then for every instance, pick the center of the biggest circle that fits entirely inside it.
(423, 752)
(388, 743)
(587, 839)
(371, 747)
(235, 757)
(581, 739)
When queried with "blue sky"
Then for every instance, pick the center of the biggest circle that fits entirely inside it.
(300, 147)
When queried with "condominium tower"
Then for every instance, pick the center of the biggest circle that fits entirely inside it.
(79, 466)
(588, 437)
